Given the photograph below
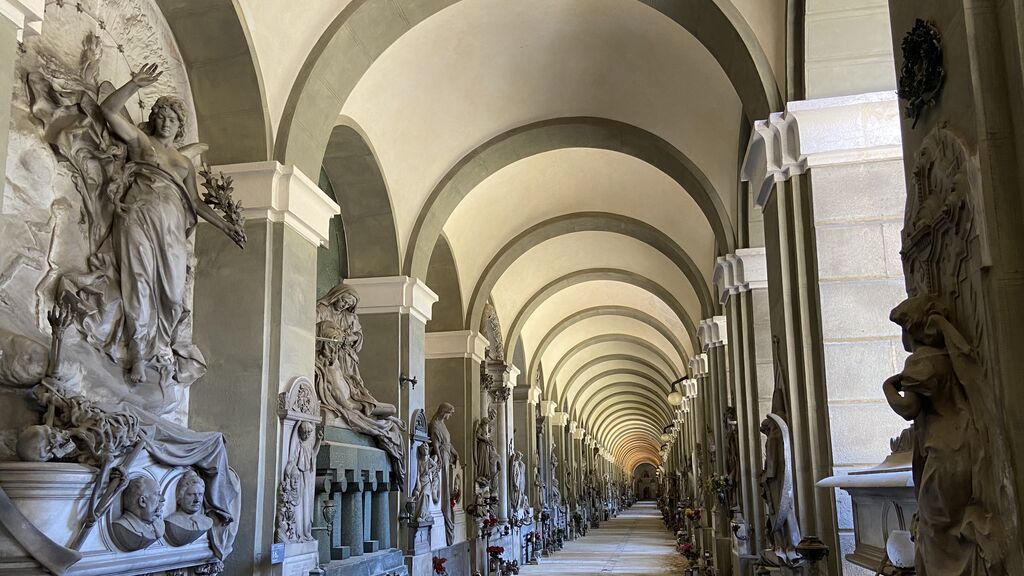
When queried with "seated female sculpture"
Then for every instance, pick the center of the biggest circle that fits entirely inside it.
(339, 338)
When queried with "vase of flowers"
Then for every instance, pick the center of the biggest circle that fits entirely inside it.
(439, 566)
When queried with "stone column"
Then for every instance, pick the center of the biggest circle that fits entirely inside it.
(268, 291)
(453, 370)
(739, 277)
(499, 390)
(352, 529)
(827, 177)
(380, 528)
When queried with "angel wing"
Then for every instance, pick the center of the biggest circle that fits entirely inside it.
(194, 152)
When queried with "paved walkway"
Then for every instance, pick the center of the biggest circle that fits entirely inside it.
(634, 544)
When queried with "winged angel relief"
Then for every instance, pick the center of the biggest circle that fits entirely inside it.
(140, 203)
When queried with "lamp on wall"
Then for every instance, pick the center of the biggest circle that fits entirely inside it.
(666, 432)
(675, 397)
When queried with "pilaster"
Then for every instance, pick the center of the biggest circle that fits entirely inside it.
(269, 290)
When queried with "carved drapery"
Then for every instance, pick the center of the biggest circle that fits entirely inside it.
(962, 476)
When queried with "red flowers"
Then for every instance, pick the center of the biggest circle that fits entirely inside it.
(490, 521)
(495, 550)
(439, 565)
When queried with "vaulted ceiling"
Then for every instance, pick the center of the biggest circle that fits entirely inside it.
(577, 160)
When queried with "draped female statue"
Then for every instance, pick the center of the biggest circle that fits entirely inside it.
(955, 534)
(447, 457)
(339, 338)
(142, 202)
(485, 456)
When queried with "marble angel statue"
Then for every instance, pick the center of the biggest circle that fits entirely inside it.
(141, 204)
(339, 338)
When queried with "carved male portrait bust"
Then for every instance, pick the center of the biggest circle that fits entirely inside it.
(140, 523)
(188, 522)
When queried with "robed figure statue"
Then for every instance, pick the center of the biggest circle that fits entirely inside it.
(142, 203)
(339, 338)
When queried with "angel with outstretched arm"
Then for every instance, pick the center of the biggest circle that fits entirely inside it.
(156, 212)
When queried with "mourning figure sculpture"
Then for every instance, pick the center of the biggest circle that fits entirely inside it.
(339, 338)
(140, 523)
(295, 498)
(517, 484)
(427, 490)
(448, 461)
(953, 531)
(188, 522)
(776, 479)
(488, 465)
(142, 202)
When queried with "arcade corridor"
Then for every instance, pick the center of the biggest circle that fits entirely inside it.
(635, 543)
(414, 287)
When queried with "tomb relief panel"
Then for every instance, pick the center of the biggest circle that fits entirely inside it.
(64, 204)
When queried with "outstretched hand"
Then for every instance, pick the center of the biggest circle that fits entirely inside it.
(146, 75)
(237, 235)
(59, 317)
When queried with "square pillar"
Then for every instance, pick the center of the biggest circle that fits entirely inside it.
(269, 291)
(393, 312)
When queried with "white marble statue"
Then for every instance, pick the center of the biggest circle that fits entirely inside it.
(448, 461)
(427, 490)
(932, 391)
(338, 382)
(517, 484)
(188, 522)
(295, 506)
(485, 456)
(142, 202)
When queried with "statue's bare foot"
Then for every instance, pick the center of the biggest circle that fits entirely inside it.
(138, 373)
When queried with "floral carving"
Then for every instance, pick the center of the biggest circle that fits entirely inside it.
(922, 75)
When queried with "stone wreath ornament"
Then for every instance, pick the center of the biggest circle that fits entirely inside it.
(922, 75)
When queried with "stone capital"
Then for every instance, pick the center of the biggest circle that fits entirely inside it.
(547, 408)
(401, 294)
(499, 394)
(455, 344)
(744, 270)
(699, 365)
(279, 193)
(27, 16)
(559, 418)
(534, 395)
(821, 132)
(712, 332)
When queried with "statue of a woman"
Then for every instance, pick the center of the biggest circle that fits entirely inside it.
(337, 309)
(953, 530)
(447, 458)
(339, 337)
(132, 301)
(517, 483)
(486, 456)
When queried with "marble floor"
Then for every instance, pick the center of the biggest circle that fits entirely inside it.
(634, 544)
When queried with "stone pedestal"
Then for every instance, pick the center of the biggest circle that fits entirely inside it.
(353, 507)
(299, 559)
(54, 498)
(883, 501)
(268, 291)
